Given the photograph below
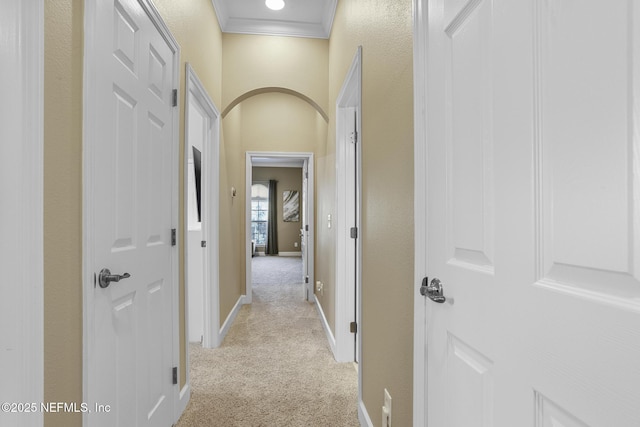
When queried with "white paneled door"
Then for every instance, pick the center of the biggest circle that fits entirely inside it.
(533, 213)
(131, 353)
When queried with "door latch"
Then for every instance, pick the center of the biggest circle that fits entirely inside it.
(433, 290)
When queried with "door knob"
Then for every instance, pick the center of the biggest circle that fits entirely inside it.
(105, 277)
(434, 290)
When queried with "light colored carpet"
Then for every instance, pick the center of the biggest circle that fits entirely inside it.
(274, 368)
(275, 270)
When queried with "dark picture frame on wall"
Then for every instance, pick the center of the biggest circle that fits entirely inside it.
(291, 206)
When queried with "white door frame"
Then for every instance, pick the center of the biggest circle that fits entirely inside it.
(210, 190)
(21, 157)
(90, 113)
(420, 16)
(251, 156)
(348, 262)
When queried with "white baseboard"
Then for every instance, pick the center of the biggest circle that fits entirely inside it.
(363, 415)
(325, 325)
(292, 254)
(230, 318)
(298, 254)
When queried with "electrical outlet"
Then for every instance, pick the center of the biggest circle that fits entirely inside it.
(295, 244)
(386, 409)
(320, 287)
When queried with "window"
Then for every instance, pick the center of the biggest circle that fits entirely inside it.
(259, 212)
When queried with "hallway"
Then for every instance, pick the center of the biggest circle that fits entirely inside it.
(274, 94)
(274, 368)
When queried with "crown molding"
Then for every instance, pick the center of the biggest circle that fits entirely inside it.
(239, 25)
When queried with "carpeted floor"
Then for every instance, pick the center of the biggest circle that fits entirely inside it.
(275, 270)
(274, 368)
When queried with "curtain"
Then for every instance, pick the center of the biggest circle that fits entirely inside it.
(272, 227)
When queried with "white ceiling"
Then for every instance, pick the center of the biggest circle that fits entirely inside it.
(299, 18)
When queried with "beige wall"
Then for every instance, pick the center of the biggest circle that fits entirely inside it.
(253, 62)
(63, 207)
(384, 29)
(195, 27)
(273, 121)
(288, 179)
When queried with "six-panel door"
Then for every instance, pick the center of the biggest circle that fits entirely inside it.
(533, 213)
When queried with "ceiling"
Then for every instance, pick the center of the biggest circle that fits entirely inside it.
(299, 18)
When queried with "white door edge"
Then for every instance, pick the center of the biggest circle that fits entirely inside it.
(420, 209)
(25, 262)
(88, 129)
(310, 214)
(210, 201)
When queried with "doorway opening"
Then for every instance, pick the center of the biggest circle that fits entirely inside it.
(202, 147)
(348, 190)
(279, 217)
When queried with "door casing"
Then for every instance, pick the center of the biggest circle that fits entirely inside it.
(286, 158)
(210, 188)
(420, 208)
(21, 157)
(348, 208)
(348, 214)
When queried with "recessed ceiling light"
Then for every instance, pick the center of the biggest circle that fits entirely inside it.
(274, 4)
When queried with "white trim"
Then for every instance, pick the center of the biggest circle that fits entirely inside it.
(310, 214)
(210, 187)
(231, 317)
(420, 16)
(329, 15)
(276, 28)
(230, 24)
(290, 254)
(89, 128)
(22, 158)
(277, 163)
(363, 415)
(325, 326)
(348, 262)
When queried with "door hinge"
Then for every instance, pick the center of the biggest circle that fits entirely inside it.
(174, 373)
(354, 232)
(306, 227)
(306, 279)
(173, 236)
(353, 327)
(306, 175)
(174, 98)
(203, 244)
